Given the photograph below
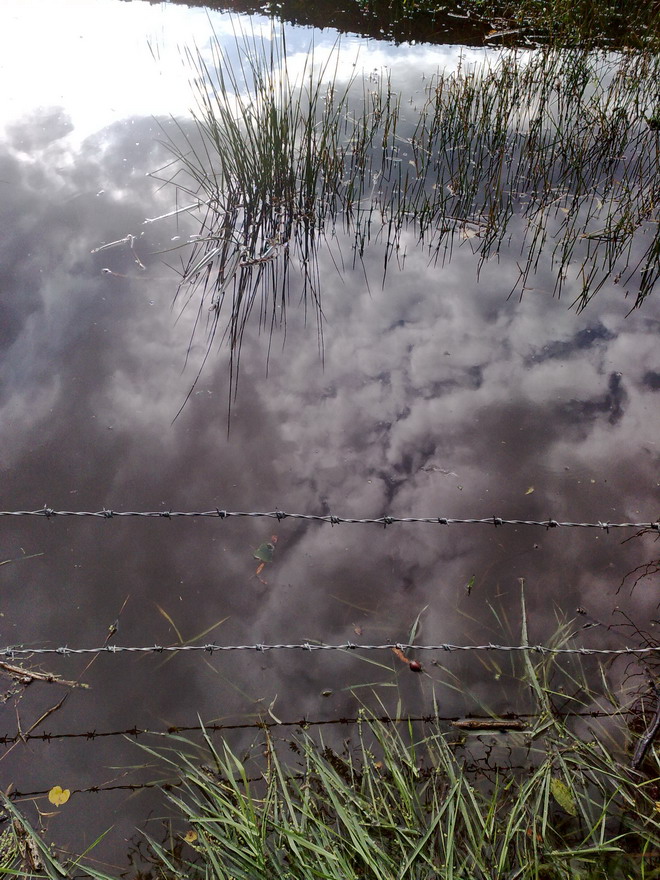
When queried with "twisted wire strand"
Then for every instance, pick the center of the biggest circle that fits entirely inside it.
(169, 784)
(490, 722)
(217, 513)
(17, 651)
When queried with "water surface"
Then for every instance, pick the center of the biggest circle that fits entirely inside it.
(437, 394)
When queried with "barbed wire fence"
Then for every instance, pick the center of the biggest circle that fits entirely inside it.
(386, 520)
(46, 512)
(512, 721)
(17, 651)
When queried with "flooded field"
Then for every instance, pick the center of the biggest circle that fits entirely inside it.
(257, 268)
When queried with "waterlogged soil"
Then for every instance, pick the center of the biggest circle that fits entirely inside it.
(432, 392)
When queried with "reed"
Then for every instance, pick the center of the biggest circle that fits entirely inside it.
(554, 150)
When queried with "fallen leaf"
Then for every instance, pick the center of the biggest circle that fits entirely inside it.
(265, 551)
(190, 836)
(58, 795)
(562, 794)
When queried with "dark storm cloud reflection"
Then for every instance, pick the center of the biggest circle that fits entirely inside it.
(437, 396)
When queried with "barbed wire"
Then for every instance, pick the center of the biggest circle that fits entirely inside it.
(217, 513)
(17, 651)
(476, 723)
(506, 720)
(176, 782)
(506, 723)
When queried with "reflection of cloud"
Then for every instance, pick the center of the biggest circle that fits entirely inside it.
(54, 211)
(435, 369)
(430, 370)
(39, 129)
(432, 400)
(107, 62)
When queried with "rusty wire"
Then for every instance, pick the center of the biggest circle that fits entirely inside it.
(490, 722)
(303, 724)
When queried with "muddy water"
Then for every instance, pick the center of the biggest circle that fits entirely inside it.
(436, 394)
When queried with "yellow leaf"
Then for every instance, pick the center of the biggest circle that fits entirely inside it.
(58, 795)
(561, 793)
(190, 836)
(530, 490)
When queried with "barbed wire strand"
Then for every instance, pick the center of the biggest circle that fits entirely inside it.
(217, 513)
(490, 722)
(168, 785)
(17, 651)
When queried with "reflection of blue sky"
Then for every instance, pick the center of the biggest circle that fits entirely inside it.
(436, 396)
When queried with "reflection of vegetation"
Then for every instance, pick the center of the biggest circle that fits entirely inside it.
(554, 147)
(646, 569)
(597, 23)
(560, 142)
(632, 23)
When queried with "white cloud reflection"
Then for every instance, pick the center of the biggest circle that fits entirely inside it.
(109, 60)
(499, 396)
